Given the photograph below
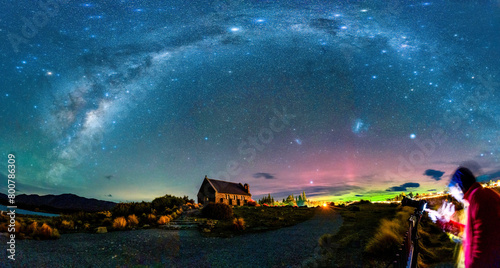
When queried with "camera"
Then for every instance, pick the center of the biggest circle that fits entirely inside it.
(419, 205)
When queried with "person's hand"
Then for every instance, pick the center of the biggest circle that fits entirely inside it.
(434, 215)
(443, 214)
(447, 210)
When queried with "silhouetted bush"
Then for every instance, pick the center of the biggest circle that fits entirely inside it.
(353, 208)
(218, 211)
(167, 201)
(107, 222)
(151, 218)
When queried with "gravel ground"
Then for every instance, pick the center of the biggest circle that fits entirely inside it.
(286, 247)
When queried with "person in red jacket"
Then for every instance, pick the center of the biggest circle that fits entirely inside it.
(481, 241)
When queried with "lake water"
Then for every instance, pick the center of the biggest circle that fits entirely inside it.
(27, 212)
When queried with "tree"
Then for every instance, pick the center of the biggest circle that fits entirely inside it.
(267, 200)
(290, 200)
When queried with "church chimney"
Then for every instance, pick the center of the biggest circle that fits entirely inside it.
(247, 188)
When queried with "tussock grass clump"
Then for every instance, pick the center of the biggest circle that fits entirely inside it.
(239, 224)
(386, 240)
(389, 235)
(120, 223)
(32, 227)
(46, 232)
(132, 220)
(164, 220)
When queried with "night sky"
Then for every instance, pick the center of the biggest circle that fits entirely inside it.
(128, 100)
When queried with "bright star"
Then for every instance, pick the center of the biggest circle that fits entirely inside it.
(413, 136)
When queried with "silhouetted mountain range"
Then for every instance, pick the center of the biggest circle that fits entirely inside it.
(59, 203)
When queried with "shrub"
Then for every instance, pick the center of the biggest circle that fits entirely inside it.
(164, 220)
(19, 225)
(151, 218)
(132, 220)
(106, 214)
(32, 227)
(67, 225)
(122, 209)
(252, 203)
(119, 223)
(167, 201)
(218, 211)
(46, 232)
(239, 224)
(3, 227)
(107, 222)
(353, 208)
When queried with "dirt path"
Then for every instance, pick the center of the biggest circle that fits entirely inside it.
(286, 247)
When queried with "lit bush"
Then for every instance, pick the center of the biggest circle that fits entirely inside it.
(132, 220)
(119, 223)
(67, 225)
(239, 224)
(252, 203)
(106, 214)
(18, 225)
(164, 220)
(32, 227)
(46, 232)
(218, 211)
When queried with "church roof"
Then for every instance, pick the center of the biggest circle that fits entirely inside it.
(226, 187)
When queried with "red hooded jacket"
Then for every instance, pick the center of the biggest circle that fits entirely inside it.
(482, 232)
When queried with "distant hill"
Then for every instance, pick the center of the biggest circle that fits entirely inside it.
(59, 203)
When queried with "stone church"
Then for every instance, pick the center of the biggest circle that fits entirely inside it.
(230, 193)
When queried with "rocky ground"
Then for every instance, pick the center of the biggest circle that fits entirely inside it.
(286, 247)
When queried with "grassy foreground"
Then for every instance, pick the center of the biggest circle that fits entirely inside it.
(258, 219)
(371, 235)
